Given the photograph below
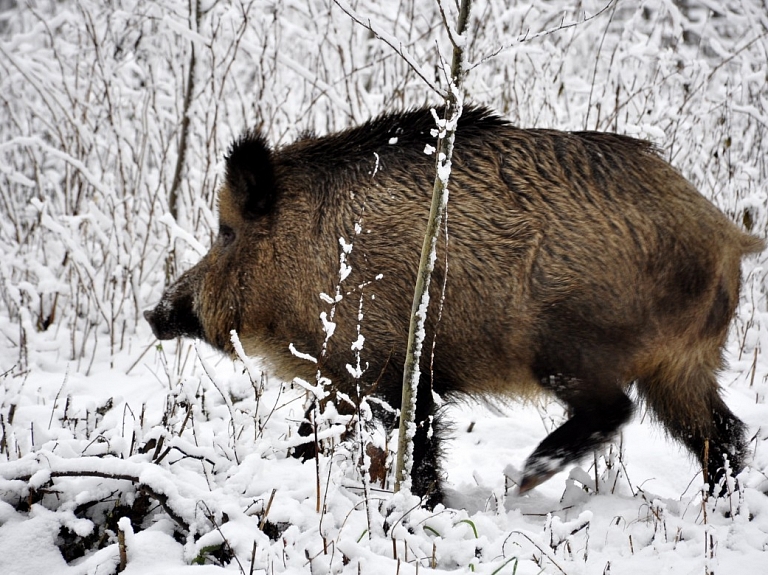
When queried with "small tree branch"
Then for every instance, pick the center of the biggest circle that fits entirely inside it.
(527, 38)
(392, 42)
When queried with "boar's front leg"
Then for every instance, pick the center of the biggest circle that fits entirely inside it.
(426, 477)
(597, 411)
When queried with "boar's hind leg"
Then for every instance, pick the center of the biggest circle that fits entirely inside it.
(596, 413)
(687, 402)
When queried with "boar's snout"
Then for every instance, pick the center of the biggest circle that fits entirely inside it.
(174, 317)
(155, 320)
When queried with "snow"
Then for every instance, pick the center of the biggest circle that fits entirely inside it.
(304, 356)
(647, 513)
(185, 452)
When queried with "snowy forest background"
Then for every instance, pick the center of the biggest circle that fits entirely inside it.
(117, 452)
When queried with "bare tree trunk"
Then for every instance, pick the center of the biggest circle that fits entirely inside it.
(173, 195)
(453, 108)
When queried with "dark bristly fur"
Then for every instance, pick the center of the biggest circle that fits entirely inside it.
(579, 263)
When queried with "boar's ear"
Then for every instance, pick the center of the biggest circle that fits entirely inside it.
(249, 175)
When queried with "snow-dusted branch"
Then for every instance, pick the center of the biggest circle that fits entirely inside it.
(151, 479)
(527, 37)
(392, 42)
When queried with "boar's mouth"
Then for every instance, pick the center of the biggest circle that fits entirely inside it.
(168, 321)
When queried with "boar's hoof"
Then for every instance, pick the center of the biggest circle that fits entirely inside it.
(308, 450)
(537, 471)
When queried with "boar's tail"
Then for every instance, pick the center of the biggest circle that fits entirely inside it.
(751, 244)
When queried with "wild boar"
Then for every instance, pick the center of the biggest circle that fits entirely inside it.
(578, 264)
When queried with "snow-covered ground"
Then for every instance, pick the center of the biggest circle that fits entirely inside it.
(177, 457)
(81, 452)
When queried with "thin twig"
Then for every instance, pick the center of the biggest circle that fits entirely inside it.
(526, 38)
(392, 42)
(263, 521)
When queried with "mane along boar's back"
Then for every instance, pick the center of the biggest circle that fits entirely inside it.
(577, 263)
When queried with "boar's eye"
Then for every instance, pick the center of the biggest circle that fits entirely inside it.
(226, 235)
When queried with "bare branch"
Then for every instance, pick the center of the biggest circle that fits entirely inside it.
(526, 38)
(392, 42)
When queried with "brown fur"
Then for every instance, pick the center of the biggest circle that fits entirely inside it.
(577, 262)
